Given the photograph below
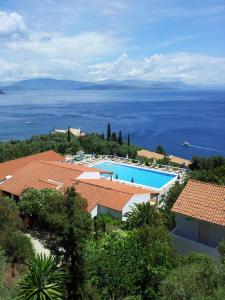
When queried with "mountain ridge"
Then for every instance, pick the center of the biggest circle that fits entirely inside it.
(63, 84)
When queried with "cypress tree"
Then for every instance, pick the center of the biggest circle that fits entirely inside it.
(160, 150)
(114, 137)
(72, 235)
(128, 140)
(109, 132)
(120, 139)
(68, 134)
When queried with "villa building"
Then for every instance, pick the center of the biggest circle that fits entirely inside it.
(75, 131)
(200, 218)
(49, 170)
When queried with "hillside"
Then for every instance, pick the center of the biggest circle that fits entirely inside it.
(1, 92)
(55, 84)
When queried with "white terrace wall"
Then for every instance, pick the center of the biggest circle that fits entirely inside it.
(185, 246)
(135, 199)
(89, 175)
(189, 228)
(217, 233)
(102, 210)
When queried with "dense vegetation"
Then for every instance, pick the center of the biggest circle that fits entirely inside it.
(15, 247)
(210, 169)
(68, 143)
(101, 258)
(130, 260)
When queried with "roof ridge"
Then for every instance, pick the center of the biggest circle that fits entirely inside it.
(110, 188)
(48, 182)
(66, 165)
(206, 183)
(48, 162)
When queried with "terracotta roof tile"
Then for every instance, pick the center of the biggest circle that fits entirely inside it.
(107, 193)
(203, 201)
(155, 155)
(81, 168)
(58, 175)
(118, 186)
(11, 166)
(36, 174)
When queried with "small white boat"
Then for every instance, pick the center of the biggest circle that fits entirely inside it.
(28, 123)
(186, 143)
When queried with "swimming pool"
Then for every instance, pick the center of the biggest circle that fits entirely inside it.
(151, 178)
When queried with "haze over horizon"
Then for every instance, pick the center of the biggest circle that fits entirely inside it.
(97, 40)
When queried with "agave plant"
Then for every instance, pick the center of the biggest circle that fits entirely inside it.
(43, 280)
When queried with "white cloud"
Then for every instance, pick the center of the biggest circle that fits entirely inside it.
(83, 47)
(108, 70)
(11, 23)
(187, 67)
(90, 55)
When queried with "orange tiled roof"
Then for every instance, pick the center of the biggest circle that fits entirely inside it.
(108, 193)
(39, 174)
(59, 175)
(77, 167)
(11, 166)
(155, 155)
(203, 201)
(44, 174)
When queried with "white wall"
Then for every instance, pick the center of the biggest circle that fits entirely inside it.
(217, 233)
(89, 175)
(102, 210)
(94, 211)
(189, 228)
(135, 199)
(185, 246)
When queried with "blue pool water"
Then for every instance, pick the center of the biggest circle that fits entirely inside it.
(149, 178)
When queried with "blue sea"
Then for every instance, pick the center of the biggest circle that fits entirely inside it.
(151, 117)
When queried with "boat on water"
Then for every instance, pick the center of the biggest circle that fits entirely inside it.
(186, 143)
(28, 122)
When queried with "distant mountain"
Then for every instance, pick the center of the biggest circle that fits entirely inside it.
(45, 84)
(1, 92)
(55, 84)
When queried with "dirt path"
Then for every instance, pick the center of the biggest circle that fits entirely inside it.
(38, 246)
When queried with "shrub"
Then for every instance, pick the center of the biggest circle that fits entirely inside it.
(18, 248)
(41, 206)
(129, 263)
(9, 216)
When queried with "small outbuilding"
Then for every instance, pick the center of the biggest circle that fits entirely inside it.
(200, 218)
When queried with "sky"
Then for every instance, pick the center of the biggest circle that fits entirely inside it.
(93, 40)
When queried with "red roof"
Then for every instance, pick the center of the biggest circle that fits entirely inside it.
(108, 193)
(76, 167)
(11, 166)
(202, 201)
(45, 170)
(42, 174)
(33, 174)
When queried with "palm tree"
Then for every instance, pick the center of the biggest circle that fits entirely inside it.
(141, 215)
(43, 280)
